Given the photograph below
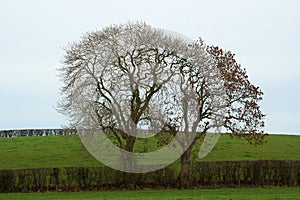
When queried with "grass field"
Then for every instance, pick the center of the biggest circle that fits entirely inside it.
(66, 151)
(215, 194)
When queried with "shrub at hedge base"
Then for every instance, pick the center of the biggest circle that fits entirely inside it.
(204, 174)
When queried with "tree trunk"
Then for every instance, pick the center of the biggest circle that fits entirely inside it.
(184, 178)
(130, 163)
(128, 179)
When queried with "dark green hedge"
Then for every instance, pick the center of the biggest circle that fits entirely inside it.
(204, 174)
(247, 173)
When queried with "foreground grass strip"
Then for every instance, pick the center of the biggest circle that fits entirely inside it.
(237, 193)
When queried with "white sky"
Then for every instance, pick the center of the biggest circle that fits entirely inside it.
(263, 34)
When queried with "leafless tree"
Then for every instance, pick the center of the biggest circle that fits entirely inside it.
(118, 76)
(132, 76)
(216, 95)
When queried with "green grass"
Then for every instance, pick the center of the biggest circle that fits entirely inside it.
(42, 152)
(277, 147)
(215, 194)
(66, 151)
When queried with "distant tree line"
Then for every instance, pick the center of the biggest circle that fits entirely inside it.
(36, 132)
(205, 175)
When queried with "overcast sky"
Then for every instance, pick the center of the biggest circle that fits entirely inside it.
(263, 34)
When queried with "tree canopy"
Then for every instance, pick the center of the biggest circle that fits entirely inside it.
(130, 78)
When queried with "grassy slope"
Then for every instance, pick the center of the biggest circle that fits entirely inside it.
(277, 147)
(42, 152)
(237, 193)
(64, 151)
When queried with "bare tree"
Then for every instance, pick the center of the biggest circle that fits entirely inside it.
(118, 76)
(217, 95)
(130, 77)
